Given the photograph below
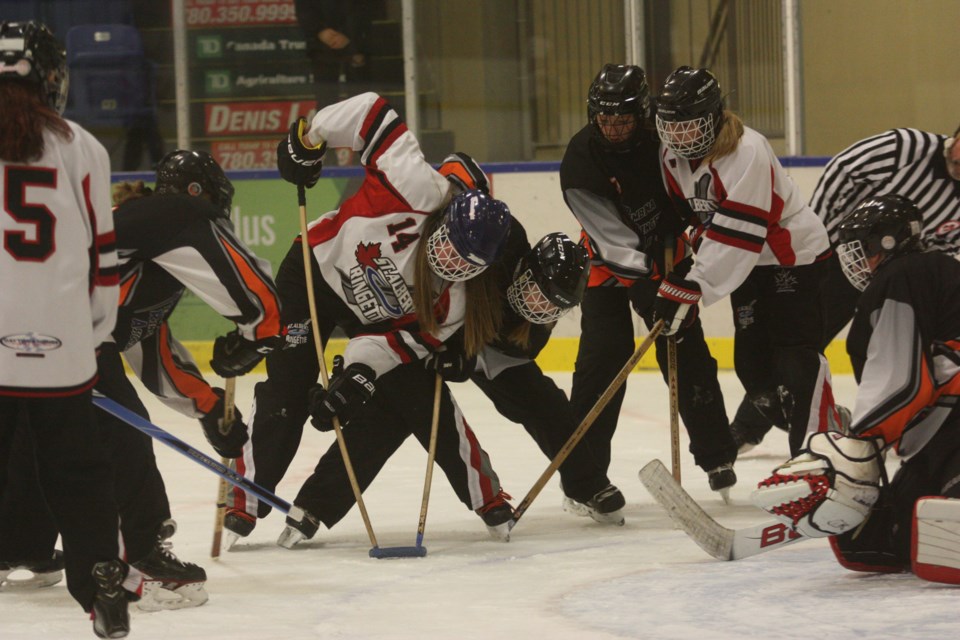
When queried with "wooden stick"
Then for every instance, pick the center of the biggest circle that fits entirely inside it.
(229, 396)
(588, 420)
(431, 454)
(672, 378)
(311, 298)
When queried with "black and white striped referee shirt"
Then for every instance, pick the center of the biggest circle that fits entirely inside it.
(906, 162)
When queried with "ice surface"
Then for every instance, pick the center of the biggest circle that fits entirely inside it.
(561, 577)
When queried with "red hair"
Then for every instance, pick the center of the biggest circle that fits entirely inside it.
(25, 117)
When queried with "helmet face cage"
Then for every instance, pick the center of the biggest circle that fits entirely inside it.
(529, 301)
(883, 226)
(444, 259)
(690, 139)
(689, 112)
(619, 90)
(195, 173)
(853, 262)
(29, 51)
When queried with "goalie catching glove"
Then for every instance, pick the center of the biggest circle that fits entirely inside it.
(349, 390)
(297, 162)
(227, 440)
(234, 355)
(828, 489)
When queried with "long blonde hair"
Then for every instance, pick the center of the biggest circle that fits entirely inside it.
(484, 314)
(727, 138)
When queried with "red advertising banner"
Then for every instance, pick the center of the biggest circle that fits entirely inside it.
(245, 154)
(235, 13)
(226, 119)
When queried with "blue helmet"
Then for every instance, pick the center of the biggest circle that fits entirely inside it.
(475, 226)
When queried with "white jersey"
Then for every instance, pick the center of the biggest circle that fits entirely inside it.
(58, 267)
(748, 213)
(366, 249)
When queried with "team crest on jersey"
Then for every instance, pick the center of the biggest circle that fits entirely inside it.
(375, 286)
(701, 203)
(746, 314)
(30, 342)
(785, 281)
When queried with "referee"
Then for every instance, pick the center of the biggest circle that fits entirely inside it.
(924, 168)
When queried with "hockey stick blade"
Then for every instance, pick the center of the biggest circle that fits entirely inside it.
(134, 420)
(398, 552)
(719, 541)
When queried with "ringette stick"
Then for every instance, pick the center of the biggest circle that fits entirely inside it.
(672, 378)
(229, 394)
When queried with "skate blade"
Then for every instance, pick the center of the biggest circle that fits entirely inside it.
(501, 532)
(576, 508)
(290, 537)
(35, 581)
(613, 518)
(725, 494)
(230, 539)
(156, 598)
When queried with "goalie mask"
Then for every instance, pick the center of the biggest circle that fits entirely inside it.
(876, 231)
(617, 104)
(30, 52)
(549, 280)
(471, 236)
(689, 112)
(195, 173)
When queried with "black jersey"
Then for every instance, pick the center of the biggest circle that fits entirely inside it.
(904, 344)
(621, 203)
(167, 243)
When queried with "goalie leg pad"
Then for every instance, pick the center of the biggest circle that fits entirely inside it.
(935, 550)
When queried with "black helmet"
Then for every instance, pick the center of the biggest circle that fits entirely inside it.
(195, 173)
(619, 89)
(550, 279)
(689, 112)
(889, 224)
(29, 51)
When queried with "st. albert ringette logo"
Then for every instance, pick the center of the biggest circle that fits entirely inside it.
(376, 287)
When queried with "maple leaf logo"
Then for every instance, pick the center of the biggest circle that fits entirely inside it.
(367, 253)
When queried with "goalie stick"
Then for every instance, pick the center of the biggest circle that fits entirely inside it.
(122, 413)
(719, 541)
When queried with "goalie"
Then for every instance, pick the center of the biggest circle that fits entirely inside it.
(905, 347)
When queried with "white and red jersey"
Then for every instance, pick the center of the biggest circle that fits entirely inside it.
(366, 249)
(58, 267)
(747, 212)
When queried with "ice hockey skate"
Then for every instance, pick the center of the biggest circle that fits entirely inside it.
(43, 573)
(722, 479)
(168, 582)
(497, 514)
(238, 524)
(110, 616)
(605, 507)
(301, 525)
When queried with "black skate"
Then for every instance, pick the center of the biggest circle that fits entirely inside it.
(168, 582)
(44, 573)
(721, 479)
(606, 506)
(109, 614)
(301, 525)
(238, 524)
(497, 514)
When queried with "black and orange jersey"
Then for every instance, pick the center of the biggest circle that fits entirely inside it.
(620, 202)
(168, 243)
(904, 344)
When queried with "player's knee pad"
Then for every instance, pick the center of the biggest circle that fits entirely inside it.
(935, 545)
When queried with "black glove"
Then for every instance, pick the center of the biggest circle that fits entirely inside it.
(642, 294)
(453, 364)
(227, 440)
(676, 303)
(234, 355)
(349, 390)
(297, 162)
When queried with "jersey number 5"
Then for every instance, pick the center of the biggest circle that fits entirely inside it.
(15, 183)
